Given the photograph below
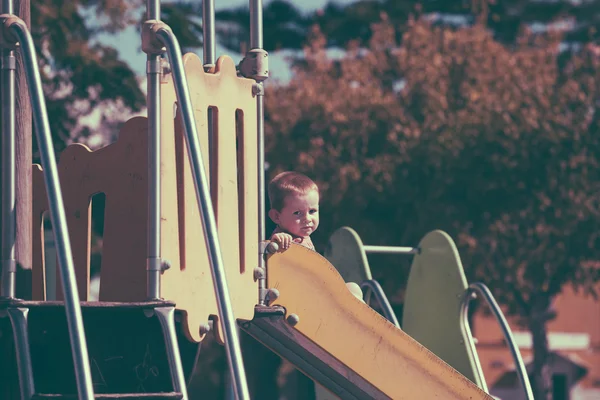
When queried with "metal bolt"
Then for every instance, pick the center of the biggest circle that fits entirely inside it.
(273, 294)
(206, 328)
(272, 247)
(165, 265)
(259, 273)
(293, 319)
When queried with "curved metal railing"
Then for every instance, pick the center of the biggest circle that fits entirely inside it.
(482, 290)
(371, 285)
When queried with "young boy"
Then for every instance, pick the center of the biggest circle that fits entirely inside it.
(294, 201)
(294, 208)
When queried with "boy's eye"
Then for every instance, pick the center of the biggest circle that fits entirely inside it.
(296, 212)
(314, 211)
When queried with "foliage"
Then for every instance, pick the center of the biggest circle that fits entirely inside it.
(286, 27)
(79, 74)
(453, 130)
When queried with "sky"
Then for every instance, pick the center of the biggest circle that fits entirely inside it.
(128, 42)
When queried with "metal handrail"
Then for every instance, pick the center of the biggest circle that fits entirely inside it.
(17, 28)
(165, 35)
(371, 285)
(486, 294)
(391, 249)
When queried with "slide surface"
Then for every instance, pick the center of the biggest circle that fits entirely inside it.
(361, 340)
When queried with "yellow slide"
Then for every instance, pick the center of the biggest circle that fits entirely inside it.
(340, 342)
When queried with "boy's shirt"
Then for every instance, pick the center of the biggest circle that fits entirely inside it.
(302, 240)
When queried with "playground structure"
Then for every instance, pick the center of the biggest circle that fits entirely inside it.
(185, 198)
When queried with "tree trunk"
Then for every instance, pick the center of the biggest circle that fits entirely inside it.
(541, 378)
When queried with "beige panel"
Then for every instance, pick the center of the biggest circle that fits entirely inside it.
(118, 170)
(437, 275)
(189, 281)
(358, 336)
(77, 187)
(77, 211)
(347, 254)
(123, 171)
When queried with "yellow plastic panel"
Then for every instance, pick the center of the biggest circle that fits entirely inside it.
(345, 251)
(432, 305)
(331, 317)
(232, 167)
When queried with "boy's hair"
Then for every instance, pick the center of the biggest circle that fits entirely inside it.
(287, 183)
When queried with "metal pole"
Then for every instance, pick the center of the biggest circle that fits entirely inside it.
(209, 56)
(484, 292)
(391, 250)
(232, 345)
(208, 32)
(8, 214)
(57, 212)
(256, 24)
(374, 286)
(256, 42)
(153, 71)
(208, 47)
(18, 319)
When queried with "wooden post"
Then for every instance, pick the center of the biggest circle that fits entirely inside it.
(23, 126)
(9, 384)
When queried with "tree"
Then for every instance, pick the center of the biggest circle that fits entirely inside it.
(84, 79)
(287, 27)
(454, 130)
(79, 74)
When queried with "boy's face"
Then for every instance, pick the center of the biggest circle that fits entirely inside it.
(299, 215)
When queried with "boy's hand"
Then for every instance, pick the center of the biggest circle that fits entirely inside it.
(283, 239)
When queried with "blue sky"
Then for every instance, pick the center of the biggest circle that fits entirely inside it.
(128, 42)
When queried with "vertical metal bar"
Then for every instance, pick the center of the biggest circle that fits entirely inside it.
(208, 47)
(153, 71)
(166, 317)
(256, 24)
(209, 225)
(18, 320)
(57, 212)
(208, 33)
(8, 214)
(256, 42)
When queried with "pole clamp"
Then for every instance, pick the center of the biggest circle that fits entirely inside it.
(258, 89)
(157, 264)
(8, 62)
(154, 66)
(151, 44)
(255, 65)
(9, 266)
(8, 40)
